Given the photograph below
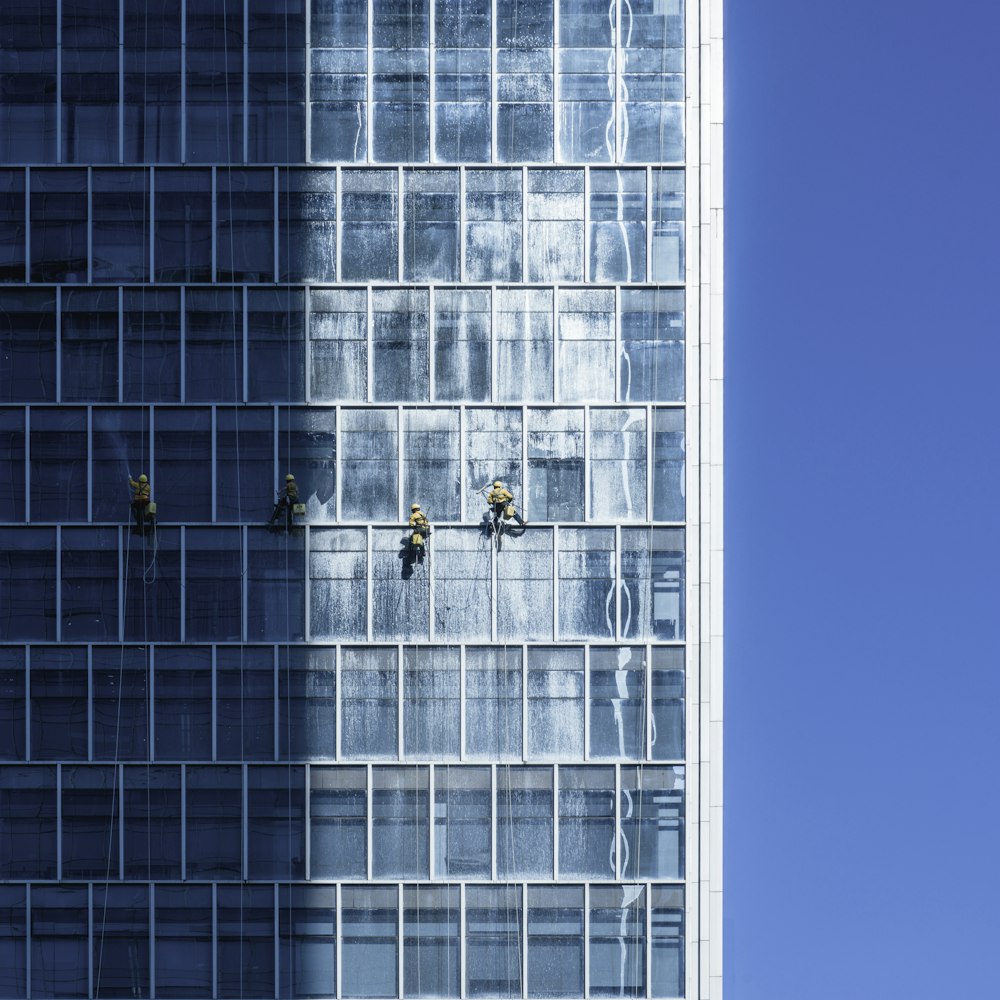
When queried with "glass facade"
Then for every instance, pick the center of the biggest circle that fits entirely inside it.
(401, 249)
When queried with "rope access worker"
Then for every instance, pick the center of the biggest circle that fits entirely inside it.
(287, 499)
(140, 500)
(501, 502)
(420, 528)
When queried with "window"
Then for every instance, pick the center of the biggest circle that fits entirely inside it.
(462, 344)
(28, 111)
(617, 464)
(60, 961)
(121, 940)
(59, 225)
(12, 226)
(652, 591)
(493, 940)
(431, 934)
(183, 702)
(400, 588)
(28, 583)
(60, 722)
(524, 82)
(244, 683)
(307, 703)
(587, 841)
(13, 941)
(667, 262)
(183, 946)
(555, 225)
(151, 349)
(668, 703)
(587, 86)
(462, 810)
(120, 225)
(430, 225)
(400, 822)
(431, 462)
(524, 590)
(369, 941)
(276, 350)
(28, 834)
(27, 345)
(586, 358)
(524, 822)
(492, 451)
(152, 808)
(368, 465)
(183, 229)
(276, 586)
(493, 228)
(431, 702)
(493, 702)
(120, 682)
(153, 614)
(617, 225)
(13, 688)
(213, 345)
(618, 941)
(152, 82)
(462, 81)
(307, 940)
(183, 443)
(89, 339)
(618, 702)
(214, 835)
(245, 228)
(120, 451)
(400, 334)
(524, 344)
(369, 679)
(214, 595)
(245, 942)
(276, 826)
(338, 573)
(369, 225)
(338, 341)
(89, 585)
(555, 941)
(338, 812)
(668, 464)
(90, 809)
(555, 465)
(555, 702)
(652, 822)
(587, 583)
(307, 224)
(667, 940)
(462, 586)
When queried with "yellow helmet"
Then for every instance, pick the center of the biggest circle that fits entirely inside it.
(289, 478)
(143, 478)
(414, 506)
(497, 484)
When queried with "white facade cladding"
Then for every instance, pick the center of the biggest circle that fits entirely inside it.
(401, 249)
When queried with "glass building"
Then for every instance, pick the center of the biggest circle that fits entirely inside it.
(399, 248)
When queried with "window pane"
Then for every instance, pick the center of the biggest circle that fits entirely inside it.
(338, 573)
(493, 703)
(462, 344)
(307, 447)
(400, 82)
(652, 344)
(12, 226)
(28, 583)
(307, 225)
(276, 831)
(90, 807)
(652, 822)
(617, 225)
(667, 262)
(524, 589)
(430, 221)
(213, 345)
(524, 822)
(120, 680)
(492, 451)
(120, 225)
(121, 940)
(493, 940)
(431, 462)
(400, 590)
(59, 225)
(307, 703)
(184, 941)
(432, 928)
(667, 940)
(370, 939)
(214, 836)
(369, 226)
(618, 701)
(27, 345)
(59, 464)
(668, 465)
(586, 822)
(493, 228)
(151, 335)
(276, 349)
(13, 941)
(214, 597)
(244, 679)
(339, 83)
(28, 833)
(244, 442)
(246, 941)
(338, 809)
(555, 225)
(369, 465)
(152, 799)
(400, 324)
(524, 82)
(28, 111)
(586, 361)
(587, 583)
(617, 465)
(369, 703)
(59, 711)
(555, 464)
(245, 213)
(60, 963)
(338, 340)
(524, 344)
(183, 703)
(555, 702)
(276, 586)
(431, 702)
(12, 703)
(462, 587)
(153, 613)
(462, 808)
(668, 703)
(555, 941)
(89, 339)
(399, 822)
(183, 230)
(618, 941)
(121, 451)
(307, 928)
(183, 442)
(652, 583)
(12, 456)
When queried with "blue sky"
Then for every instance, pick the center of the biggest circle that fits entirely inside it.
(863, 551)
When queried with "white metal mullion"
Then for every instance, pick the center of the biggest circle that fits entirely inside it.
(431, 85)
(337, 461)
(524, 701)
(462, 935)
(183, 344)
(59, 378)
(244, 820)
(120, 343)
(183, 4)
(307, 335)
(27, 704)
(245, 555)
(523, 937)
(399, 938)
(59, 64)
(400, 466)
